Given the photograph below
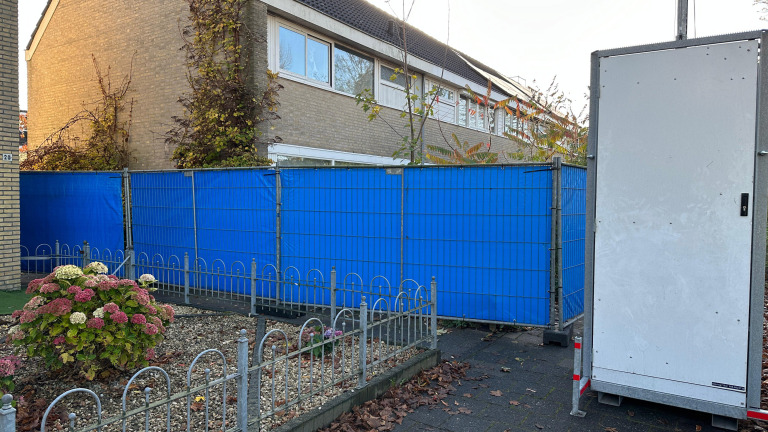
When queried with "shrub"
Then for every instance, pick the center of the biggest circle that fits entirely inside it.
(315, 337)
(8, 366)
(90, 321)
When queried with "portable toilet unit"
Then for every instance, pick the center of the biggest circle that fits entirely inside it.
(676, 226)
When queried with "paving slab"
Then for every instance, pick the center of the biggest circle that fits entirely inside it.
(537, 379)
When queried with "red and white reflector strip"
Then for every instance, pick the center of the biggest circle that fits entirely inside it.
(585, 387)
(757, 414)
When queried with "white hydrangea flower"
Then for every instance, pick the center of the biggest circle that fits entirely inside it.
(68, 272)
(99, 313)
(77, 318)
(98, 267)
(13, 329)
(147, 278)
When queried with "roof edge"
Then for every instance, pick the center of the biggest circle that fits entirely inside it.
(42, 24)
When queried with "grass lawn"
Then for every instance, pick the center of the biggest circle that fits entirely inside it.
(11, 301)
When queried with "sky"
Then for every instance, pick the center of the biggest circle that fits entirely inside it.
(537, 40)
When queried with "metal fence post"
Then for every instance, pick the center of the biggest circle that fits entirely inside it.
(557, 185)
(56, 254)
(242, 387)
(186, 278)
(433, 311)
(7, 414)
(333, 294)
(253, 286)
(553, 252)
(86, 253)
(130, 265)
(363, 344)
(278, 227)
(576, 396)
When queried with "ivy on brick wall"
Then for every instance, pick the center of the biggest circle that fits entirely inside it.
(223, 114)
(106, 123)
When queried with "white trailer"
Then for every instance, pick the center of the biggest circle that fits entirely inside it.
(676, 226)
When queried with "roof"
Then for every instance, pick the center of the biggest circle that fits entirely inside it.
(375, 22)
(37, 26)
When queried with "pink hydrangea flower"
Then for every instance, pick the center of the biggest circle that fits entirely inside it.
(17, 313)
(59, 340)
(107, 285)
(49, 288)
(18, 335)
(127, 282)
(28, 316)
(138, 319)
(111, 307)
(91, 283)
(142, 298)
(84, 295)
(50, 277)
(34, 285)
(150, 354)
(8, 365)
(34, 303)
(159, 323)
(95, 322)
(57, 307)
(152, 310)
(119, 317)
(169, 312)
(74, 289)
(150, 329)
(112, 277)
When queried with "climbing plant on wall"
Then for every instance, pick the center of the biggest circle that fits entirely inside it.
(223, 115)
(95, 139)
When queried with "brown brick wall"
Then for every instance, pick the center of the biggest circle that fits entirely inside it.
(61, 79)
(61, 76)
(9, 144)
(315, 117)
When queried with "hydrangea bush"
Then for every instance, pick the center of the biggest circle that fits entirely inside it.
(91, 321)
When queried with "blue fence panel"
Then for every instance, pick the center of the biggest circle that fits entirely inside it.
(226, 224)
(485, 234)
(574, 211)
(71, 208)
(347, 218)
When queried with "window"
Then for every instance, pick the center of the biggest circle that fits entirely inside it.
(444, 106)
(303, 55)
(475, 115)
(392, 91)
(353, 73)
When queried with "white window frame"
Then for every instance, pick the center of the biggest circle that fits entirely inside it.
(292, 150)
(429, 83)
(307, 36)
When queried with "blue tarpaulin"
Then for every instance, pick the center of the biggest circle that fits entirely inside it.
(70, 208)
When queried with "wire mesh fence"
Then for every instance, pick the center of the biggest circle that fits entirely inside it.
(485, 232)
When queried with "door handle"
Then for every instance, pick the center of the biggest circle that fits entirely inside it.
(745, 204)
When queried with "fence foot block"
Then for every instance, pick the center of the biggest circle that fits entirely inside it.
(562, 338)
(609, 399)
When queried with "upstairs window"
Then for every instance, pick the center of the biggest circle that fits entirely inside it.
(444, 105)
(352, 72)
(304, 55)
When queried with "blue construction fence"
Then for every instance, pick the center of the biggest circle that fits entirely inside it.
(483, 232)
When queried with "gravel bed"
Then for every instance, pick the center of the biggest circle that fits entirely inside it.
(186, 338)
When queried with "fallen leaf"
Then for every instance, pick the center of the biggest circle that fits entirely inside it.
(467, 395)
(514, 402)
(464, 410)
(505, 369)
(496, 393)
(698, 428)
(538, 426)
(610, 429)
(530, 390)
(455, 403)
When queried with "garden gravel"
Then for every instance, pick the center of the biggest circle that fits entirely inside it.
(194, 331)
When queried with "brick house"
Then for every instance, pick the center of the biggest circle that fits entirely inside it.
(325, 51)
(9, 146)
